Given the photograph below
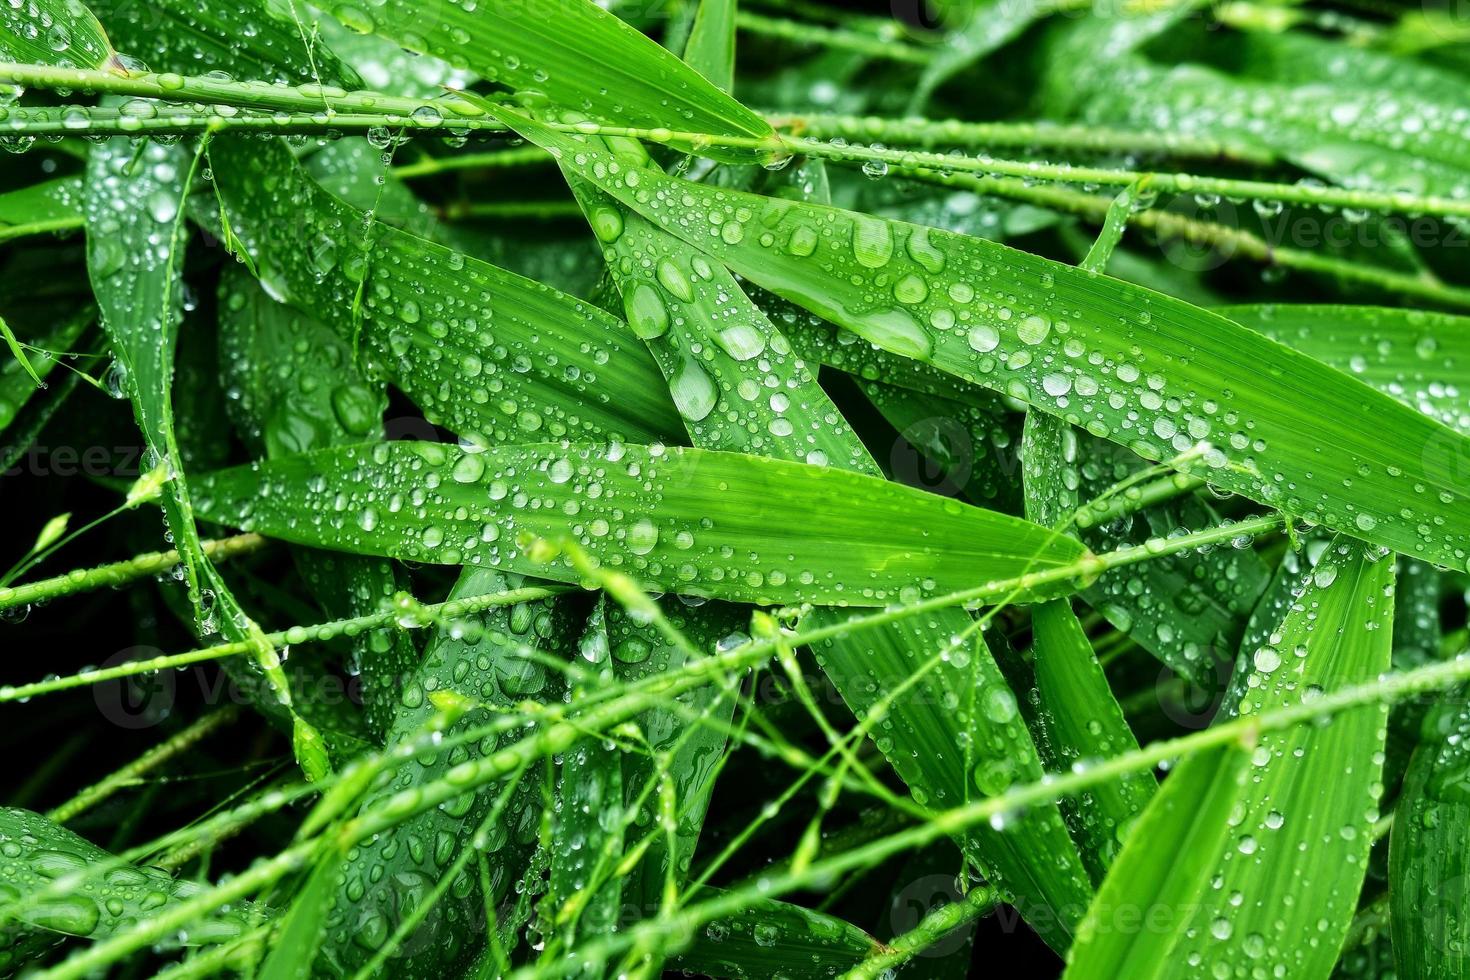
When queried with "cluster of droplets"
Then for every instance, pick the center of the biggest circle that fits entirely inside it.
(50, 878)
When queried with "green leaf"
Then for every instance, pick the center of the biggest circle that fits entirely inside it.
(1284, 860)
(1344, 131)
(134, 258)
(491, 661)
(1133, 924)
(1188, 610)
(1429, 869)
(301, 932)
(711, 47)
(1137, 367)
(546, 49)
(1299, 849)
(296, 390)
(771, 938)
(258, 40)
(711, 339)
(1418, 357)
(54, 32)
(57, 884)
(687, 520)
(1081, 717)
(489, 355)
(974, 29)
(583, 898)
(50, 206)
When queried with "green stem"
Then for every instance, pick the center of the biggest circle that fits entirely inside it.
(421, 615)
(1245, 731)
(129, 774)
(837, 38)
(148, 931)
(315, 101)
(934, 927)
(1229, 242)
(527, 156)
(120, 573)
(1173, 183)
(1135, 499)
(68, 223)
(953, 132)
(512, 209)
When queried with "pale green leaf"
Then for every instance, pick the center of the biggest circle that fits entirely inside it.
(1136, 367)
(687, 520)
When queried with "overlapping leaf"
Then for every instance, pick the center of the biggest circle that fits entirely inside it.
(54, 32)
(686, 520)
(1290, 854)
(1130, 365)
(490, 355)
(546, 48)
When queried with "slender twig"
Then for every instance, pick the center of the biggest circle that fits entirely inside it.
(121, 573)
(131, 773)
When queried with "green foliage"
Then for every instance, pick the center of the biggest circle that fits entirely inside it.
(733, 489)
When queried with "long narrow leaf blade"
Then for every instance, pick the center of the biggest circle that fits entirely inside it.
(687, 520)
(1137, 367)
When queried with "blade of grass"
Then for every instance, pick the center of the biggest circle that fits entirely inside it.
(297, 390)
(1155, 374)
(137, 282)
(674, 518)
(492, 356)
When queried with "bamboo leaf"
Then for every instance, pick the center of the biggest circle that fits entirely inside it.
(1299, 850)
(776, 938)
(719, 524)
(1079, 713)
(62, 884)
(711, 47)
(134, 258)
(721, 355)
(1155, 374)
(546, 48)
(263, 40)
(491, 662)
(1163, 868)
(296, 391)
(1428, 868)
(1418, 357)
(54, 32)
(51, 206)
(490, 355)
(1284, 859)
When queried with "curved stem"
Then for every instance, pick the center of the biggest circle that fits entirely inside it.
(456, 115)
